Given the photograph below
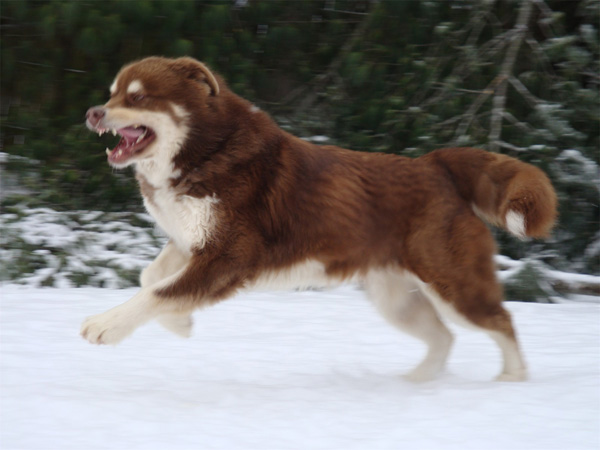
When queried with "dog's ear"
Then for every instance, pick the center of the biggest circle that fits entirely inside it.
(195, 70)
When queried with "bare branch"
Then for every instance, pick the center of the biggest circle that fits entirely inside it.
(505, 73)
(464, 69)
(495, 44)
(544, 23)
(541, 4)
(521, 89)
(479, 23)
(510, 146)
(319, 82)
(446, 122)
(469, 115)
(522, 125)
(537, 49)
(342, 11)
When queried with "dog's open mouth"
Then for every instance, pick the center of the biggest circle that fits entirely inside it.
(133, 140)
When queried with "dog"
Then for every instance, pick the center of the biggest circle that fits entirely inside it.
(247, 205)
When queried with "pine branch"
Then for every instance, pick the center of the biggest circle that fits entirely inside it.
(318, 84)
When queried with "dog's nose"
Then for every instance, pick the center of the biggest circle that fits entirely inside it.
(94, 115)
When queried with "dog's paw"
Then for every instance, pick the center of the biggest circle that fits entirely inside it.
(180, 324)
(106, 328)
(421, 375)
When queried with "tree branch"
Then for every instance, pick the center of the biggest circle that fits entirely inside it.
(508, 146)
(521, 89)
(319, 82)
(469, 115)
(522, 125)
(499, 100)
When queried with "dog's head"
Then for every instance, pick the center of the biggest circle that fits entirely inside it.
(149, 107)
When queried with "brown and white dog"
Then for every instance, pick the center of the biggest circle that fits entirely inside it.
(247, 205)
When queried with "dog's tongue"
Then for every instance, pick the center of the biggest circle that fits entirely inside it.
(130, 132)
(127, 145)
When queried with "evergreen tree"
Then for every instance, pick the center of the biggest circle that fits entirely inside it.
(519, 77)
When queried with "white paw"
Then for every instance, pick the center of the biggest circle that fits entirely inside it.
(106, 328)
(421, 375)
(180, 324)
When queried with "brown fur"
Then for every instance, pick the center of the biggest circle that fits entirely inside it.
(498, 183)
(283, 201)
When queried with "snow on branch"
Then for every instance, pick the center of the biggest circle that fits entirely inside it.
(561, 282)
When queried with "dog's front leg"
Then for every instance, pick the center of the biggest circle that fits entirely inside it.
(207, 278)
(168, 262)
(112, 326)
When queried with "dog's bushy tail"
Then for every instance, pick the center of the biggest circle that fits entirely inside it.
(501, 190)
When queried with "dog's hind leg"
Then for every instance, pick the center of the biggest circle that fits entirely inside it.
(492, 319)
(169, 261)
(398, 297)
(462, 286)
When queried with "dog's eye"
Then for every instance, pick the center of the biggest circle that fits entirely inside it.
(138, 97)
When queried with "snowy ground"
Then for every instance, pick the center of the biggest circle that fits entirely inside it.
(287, 371)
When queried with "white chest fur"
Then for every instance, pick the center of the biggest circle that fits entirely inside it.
(187, 220)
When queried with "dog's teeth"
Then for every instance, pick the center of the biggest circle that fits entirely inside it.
(100, 132)
(114, 132)
(120, 153)
(142, 136)
(107, 151)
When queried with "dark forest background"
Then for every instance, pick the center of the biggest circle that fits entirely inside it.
(517, 77)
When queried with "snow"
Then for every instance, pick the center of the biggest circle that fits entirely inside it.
(43, 247)
(572, 166)
(287, 370)
(318, 139)
(76, 247)
(511, 266)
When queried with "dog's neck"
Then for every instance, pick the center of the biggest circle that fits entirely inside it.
(157, 173)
